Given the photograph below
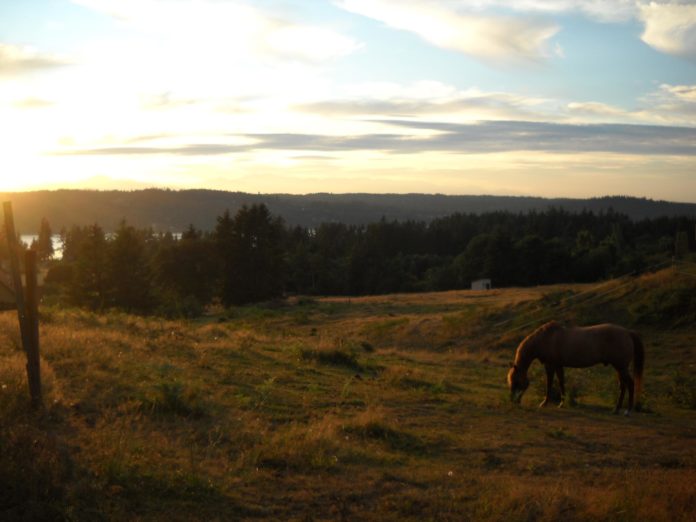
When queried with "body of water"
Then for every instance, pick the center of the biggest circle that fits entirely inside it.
(28, 239)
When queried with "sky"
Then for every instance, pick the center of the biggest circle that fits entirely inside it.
(554, 98)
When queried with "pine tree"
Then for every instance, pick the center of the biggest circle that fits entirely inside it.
(44, 244)
(251, 250)
(129, 274)
(89, 286)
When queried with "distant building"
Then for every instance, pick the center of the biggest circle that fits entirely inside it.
(481, 284)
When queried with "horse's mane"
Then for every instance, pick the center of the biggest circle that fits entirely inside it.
(544, 329)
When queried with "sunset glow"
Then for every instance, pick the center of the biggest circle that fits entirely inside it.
(489, 96)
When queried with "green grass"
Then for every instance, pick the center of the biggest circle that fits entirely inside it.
(383, 408)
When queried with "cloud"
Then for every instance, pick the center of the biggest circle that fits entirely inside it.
(603, 10)
(489, 37)
(478, 138)
(315, 44)
(227, 29)
(481, 29)
(198, 149)
(668, 105)
(18, 60)
(424, 98)
(670, 27)
(596, 109)
(165, 100)
(682, 93)
(671, 104)
(32, 103)
(502, 136)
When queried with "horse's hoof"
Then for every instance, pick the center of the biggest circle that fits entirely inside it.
(543, 404)
(560, 404)
(627, 413)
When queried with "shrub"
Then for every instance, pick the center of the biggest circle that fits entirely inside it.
(340, 354)
(173, 398)
(174, 307)
(682, 390)
(335, 357)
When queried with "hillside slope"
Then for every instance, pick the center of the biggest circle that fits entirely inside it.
(379, 408)
(175, 210)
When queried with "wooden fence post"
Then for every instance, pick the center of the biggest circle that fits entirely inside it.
(28, 326)
(32, 318)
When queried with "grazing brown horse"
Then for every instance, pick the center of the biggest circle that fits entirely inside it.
(556, 346)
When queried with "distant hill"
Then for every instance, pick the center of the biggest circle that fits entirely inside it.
(174, 210)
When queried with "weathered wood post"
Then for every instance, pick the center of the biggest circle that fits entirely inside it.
(32, 318)
(27, 310)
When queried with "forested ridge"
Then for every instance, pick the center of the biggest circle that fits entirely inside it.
(173, 210)
(254, 255)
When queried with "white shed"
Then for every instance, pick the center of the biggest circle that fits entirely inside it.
(481, 284)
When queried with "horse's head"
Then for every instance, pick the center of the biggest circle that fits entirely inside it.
(518, 382)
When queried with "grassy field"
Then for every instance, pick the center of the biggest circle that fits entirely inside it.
(382, 408)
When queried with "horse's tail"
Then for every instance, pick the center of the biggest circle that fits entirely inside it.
(638, 362)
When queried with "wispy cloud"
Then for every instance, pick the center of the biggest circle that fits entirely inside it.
(226, 30)
(598, 109)
(603, 10)
(671, 103)
(165, 100)
(425, 98)
(485, 36)
(683, 93)
(17, 60)
(670, 27)
(501, 136)
(481, 137)
(32, 103)
(511, 30)
(667, 105)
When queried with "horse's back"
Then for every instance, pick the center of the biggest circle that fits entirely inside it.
(602, 343)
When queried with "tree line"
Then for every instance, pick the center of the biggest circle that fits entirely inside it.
(254, 256)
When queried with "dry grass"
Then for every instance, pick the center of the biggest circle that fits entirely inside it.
(375, 409)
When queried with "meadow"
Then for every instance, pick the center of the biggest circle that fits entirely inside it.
(374, 408)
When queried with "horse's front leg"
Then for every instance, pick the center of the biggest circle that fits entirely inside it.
(622, 384)
(561, 384)
(549, 384)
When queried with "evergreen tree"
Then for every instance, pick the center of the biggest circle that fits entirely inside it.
(130, 278)
(187, 269)
(250, 246)
(44, 245)
(89, 285)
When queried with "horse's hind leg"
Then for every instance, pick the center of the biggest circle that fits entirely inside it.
(622, 385)
(628, 383)
(561, 384)
(549, 384)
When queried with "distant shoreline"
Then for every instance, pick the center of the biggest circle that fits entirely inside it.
(170, 210)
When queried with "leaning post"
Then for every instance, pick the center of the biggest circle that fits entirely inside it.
(28, 332)
(32, 319)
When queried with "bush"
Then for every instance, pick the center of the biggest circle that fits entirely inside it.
(173, 398)
(174, 307)
(682, 390)
(331, 356)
